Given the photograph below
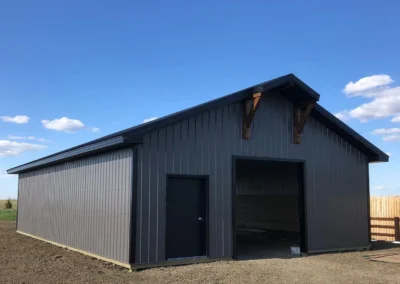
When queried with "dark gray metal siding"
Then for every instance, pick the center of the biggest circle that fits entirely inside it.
(84, 204)
(336, 176)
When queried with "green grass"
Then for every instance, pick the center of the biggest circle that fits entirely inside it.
(8, 214)
(13, 202)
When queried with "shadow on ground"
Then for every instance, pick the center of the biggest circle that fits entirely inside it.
(381, 245)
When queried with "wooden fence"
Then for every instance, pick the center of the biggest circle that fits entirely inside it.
(395, 227)
(385, 214)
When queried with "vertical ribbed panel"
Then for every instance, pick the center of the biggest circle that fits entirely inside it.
(84, 204)
(336, 180)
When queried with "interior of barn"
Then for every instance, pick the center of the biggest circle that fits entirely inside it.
(267, 208)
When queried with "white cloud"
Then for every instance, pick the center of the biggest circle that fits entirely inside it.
(383, 131)
(391, 138)
(343, 115)
(396, 119)
(149, 119)
(12, 148)
(13, 137)
(3, 174)
(19, 119)
(64, 124)
(389, 154)
(367, 83)
(385, 104)
(68, 125)
(6, 176)
(384, 100)
(378, 187)
(388, 134)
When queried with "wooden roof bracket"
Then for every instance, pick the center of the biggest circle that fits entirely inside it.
(250, 107)
(300, 117)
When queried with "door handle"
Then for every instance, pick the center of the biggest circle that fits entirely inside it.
(200, 219)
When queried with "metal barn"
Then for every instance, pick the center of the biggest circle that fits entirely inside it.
(196, 185)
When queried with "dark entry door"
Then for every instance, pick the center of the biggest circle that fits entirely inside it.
(186, 218)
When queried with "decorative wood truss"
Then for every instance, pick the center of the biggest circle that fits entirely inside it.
(301, 113)
(300, 117)
(250, 107)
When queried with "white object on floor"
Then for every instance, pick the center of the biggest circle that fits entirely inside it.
(295, 250)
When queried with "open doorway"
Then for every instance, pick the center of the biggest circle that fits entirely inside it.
(268, 208)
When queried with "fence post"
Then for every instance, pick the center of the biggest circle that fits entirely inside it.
(397, 229)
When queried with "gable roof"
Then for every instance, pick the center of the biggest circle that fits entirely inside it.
(299, 91)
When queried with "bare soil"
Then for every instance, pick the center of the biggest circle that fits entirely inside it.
(26, 260)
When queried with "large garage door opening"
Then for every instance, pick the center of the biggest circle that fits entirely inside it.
(268, 208)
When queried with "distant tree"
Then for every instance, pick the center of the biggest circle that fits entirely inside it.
(8, 204)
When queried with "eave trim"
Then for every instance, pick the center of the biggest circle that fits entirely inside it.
(62, 156)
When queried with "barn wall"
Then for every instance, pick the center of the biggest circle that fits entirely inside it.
(336, 175)
(84, 204)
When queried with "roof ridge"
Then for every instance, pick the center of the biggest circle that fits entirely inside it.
(131, 134)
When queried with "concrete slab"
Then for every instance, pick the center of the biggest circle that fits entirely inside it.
(262, 246)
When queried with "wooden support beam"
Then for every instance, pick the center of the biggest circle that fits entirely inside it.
(300, 117)
(250, 107)
(397, 229)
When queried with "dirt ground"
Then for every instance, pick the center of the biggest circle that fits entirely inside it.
(26, 260)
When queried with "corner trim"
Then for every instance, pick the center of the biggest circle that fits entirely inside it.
(368, 207)
(125, 265)
(16, 223)
(133, 204)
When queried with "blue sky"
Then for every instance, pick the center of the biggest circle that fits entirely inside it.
(82, 69)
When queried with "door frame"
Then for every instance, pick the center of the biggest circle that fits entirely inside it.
(206, 179)
(302, 198)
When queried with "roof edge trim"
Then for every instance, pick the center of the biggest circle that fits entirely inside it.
(133, 135)
(340, 126)
(119, 140)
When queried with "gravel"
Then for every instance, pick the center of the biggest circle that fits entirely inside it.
(26, 260)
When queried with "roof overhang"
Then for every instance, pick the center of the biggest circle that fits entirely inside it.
(73, 153)
(329, 120)
(289, 85)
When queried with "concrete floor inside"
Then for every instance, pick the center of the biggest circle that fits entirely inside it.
(264, 245)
